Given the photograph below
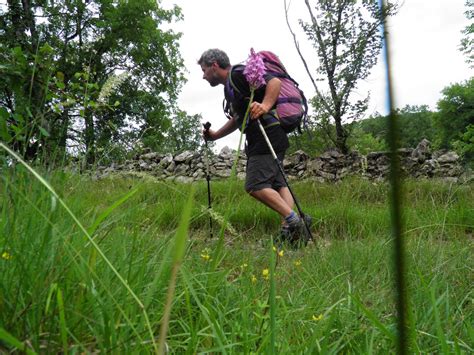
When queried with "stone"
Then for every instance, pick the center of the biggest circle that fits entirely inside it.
(166, 160)
(151, 156)
(171, 166)
(331, 154)
(449, 157)
(330, 166)
(226, 152)
(422, 151)
(183, 157)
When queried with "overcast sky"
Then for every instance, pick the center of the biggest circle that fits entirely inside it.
(424, 35)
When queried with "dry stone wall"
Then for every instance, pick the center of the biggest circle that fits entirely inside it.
(190, 166)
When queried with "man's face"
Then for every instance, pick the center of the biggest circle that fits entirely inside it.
(210, 74)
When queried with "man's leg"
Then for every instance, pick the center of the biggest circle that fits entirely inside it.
(274, 200)
(285, 194)
(265, 183)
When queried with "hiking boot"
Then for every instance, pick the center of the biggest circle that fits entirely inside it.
(285, 235)
(299, 235)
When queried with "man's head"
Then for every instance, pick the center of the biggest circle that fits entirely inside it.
(215, 65)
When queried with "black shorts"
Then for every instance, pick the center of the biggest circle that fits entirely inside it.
(262, 172)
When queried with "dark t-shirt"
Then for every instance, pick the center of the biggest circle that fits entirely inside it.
(239, 101)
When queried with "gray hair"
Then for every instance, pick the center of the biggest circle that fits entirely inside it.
(214, 55)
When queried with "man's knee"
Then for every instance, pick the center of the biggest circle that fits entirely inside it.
(252, 192)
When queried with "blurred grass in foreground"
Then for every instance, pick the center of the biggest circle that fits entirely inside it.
(58, 294)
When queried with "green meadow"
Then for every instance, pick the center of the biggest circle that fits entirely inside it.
(127, 265)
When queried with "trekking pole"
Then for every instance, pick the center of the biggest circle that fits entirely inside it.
(207, 125)
(300, 211)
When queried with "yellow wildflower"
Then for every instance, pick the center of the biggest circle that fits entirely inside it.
(297, 263)
(205, 255)
(266, 274)
(279, 252)
(243, 266)
(253, 278)
(6, 256)
(317, 318)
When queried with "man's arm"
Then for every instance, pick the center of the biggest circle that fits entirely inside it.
(271, 95)
(228, 128)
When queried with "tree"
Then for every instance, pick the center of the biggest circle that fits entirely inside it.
(456, 113)
(415, 123)
(59, 66)
(185, 133)
(467, 42)
(347, 39)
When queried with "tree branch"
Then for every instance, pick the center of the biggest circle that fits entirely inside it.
(318, 93)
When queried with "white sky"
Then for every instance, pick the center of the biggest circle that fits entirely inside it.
(425, 37)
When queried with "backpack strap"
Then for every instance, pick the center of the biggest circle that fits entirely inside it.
(230, 84)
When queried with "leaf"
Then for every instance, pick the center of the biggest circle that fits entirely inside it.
(182, 232)
(91, 230)
(4, 135)
(12, 341)
(19, 117)
(62, 319)
(375, 321)
(60, 76)
(44, 132)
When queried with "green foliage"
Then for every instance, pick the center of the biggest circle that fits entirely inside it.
(415, 123)
(456, 112)
(24, 87)
(312, 141)
(184, 133)
(365, 142)
(57, 82)
(465, 145)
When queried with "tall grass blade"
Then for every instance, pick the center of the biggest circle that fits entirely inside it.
(91, 240)
(395, 196)
(12, 341)
(373, 318)
(272, 299)
(179, 249)
(91, 230)
(439, 326)
(208, 316)
(62, 319)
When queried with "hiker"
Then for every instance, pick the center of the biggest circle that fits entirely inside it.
(263, 180)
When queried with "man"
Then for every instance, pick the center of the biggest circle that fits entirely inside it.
(263, 180)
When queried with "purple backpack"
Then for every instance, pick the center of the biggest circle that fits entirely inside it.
(291, 105)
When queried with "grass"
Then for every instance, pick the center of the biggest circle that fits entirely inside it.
(60, 293)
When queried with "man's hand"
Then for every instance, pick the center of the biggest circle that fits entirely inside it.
(271, 95)
(207, 133)
(257, 110)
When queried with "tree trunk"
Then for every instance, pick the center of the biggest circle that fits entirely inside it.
(17, 21)
(341, 136)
